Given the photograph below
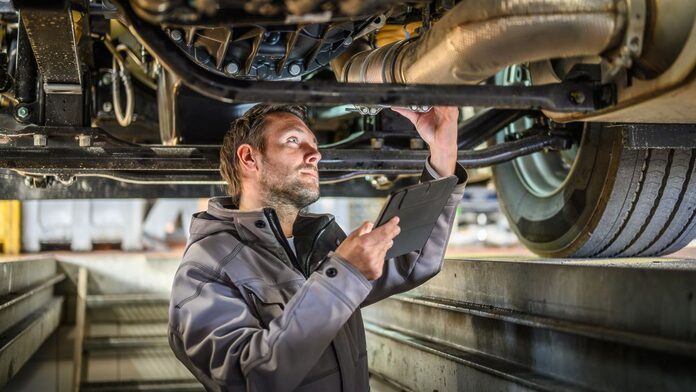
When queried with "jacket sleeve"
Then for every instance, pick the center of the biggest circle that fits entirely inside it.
(217, 334)
(410, 270)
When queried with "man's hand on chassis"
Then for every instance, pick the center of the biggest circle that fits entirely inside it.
(366, 248)
(438, 128)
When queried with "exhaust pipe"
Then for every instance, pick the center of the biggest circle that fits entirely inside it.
(477, 38)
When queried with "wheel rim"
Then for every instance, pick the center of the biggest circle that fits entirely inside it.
(543, 173)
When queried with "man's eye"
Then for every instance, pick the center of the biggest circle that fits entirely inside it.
(293, 139)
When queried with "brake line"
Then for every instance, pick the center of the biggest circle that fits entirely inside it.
(120, 75)
(120, 72)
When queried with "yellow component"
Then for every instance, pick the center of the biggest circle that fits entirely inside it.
(77, 24)
(10, 226)
(395, 32)
(117, 29)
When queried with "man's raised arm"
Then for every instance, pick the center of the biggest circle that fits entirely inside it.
(438, 128)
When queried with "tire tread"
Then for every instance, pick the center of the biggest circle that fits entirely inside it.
(625, 215)
(656, 203)
(667, 185)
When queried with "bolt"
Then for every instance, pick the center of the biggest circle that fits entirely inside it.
(231, 68)
(577, 97)
(176, 35)
(635, 44)
(107, 78)
(40, 140)
(419, 108)
(295, 69)
(376, 142)
(107, 106)
(272, 37)
(23, 112)
(84, 140)
(417, 144)
(379, 182)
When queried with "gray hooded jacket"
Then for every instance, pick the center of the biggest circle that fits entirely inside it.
(247, 313)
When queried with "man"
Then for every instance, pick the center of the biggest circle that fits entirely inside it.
(268, 297)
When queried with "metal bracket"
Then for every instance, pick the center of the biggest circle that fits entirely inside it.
(373, 110)
(632, 46)
(375, 24)
(54, 44)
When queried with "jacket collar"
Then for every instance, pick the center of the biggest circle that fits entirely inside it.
(311, 231)
(223, 208)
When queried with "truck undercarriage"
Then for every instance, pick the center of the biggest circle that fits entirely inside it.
(584, 109)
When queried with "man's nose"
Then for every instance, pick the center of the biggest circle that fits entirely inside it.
(313, 155)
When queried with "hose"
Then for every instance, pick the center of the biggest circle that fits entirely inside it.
(121, 75)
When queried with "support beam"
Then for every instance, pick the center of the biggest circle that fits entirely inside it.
(110, 157)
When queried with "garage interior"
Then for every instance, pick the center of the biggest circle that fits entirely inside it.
(497, 317)
(572, 260)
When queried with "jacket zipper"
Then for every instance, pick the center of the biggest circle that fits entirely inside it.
(275, 227)
(314, 243)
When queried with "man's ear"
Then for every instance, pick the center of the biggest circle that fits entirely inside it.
(247, 158)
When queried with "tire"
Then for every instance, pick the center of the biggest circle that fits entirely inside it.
(614, 202)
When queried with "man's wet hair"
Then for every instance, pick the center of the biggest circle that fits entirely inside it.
(249, 129)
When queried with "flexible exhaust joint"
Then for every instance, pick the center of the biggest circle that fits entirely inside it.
(477, 38)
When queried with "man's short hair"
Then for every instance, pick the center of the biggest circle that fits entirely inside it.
(248, 129)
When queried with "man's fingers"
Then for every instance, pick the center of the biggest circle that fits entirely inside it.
(393, 228)
(409, 114)
(396, 231)
(394, 221)
(365, 228)
(386, 232)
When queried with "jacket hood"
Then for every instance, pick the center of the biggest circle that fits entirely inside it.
(218, 218)
(261, 229)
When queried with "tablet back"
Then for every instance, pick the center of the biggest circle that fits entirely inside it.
(418, 207)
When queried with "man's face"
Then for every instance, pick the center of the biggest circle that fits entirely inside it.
(288, 168)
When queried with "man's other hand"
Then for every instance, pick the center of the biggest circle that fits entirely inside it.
(366, 248)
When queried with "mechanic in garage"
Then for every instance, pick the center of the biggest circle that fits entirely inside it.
(268, 297)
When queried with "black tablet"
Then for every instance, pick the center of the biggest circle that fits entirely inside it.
(418, 207)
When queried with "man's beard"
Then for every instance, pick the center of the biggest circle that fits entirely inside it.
(285, 189)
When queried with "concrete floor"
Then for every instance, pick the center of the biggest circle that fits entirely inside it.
(49, 369)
